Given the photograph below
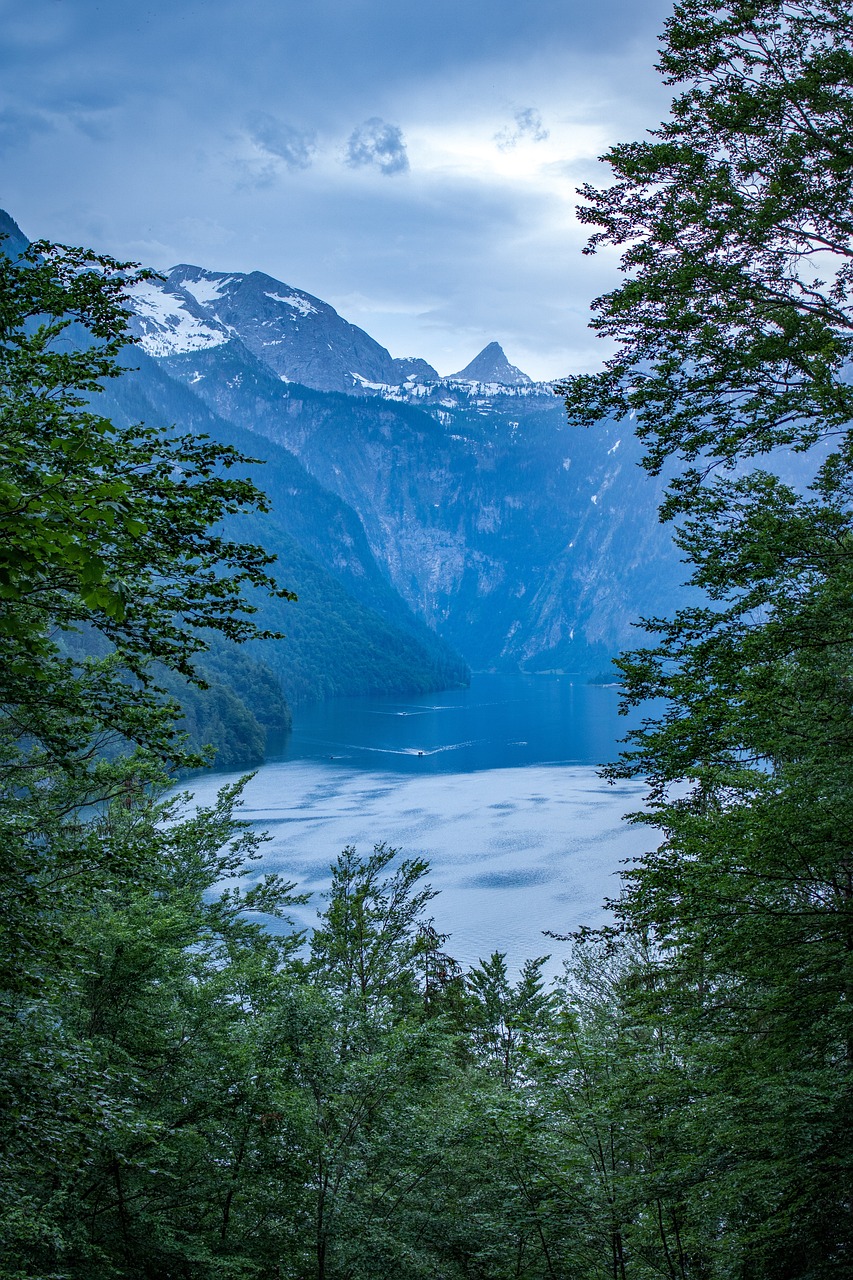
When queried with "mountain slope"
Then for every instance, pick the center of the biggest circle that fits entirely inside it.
(520, 540)
(349, 632)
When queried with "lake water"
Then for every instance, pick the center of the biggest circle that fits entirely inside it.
(495, 785)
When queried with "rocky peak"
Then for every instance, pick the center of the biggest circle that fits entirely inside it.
(491, 365)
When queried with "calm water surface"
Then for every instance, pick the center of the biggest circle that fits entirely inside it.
(495, 785)
(501, 721)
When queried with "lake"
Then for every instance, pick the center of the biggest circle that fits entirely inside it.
(496, 785)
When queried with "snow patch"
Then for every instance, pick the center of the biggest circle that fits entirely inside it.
(205, 290)
(166, 327)
(295, 300)
(367, 384)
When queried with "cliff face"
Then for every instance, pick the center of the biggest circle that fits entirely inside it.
(521, 541)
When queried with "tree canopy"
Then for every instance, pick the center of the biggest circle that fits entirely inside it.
(733, 326)
(112, 531)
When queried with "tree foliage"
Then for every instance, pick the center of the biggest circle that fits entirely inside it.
(733, 323)
(113, 531)
(733, 327)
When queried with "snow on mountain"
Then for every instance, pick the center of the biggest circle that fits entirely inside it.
(298, 301)
(205, 289)
(166, 325)
(492, 366)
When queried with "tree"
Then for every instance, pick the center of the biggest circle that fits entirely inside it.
(136, 1075)
(734, 331)
(734, 324)
(373, 932)
(106, 530)
(506, 1020)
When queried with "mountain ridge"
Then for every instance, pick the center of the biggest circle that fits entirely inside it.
(470, 508)
(302, 338)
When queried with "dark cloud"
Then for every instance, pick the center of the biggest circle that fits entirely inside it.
(528, 125)
(309, 54)
(378, 143)
(294, 147)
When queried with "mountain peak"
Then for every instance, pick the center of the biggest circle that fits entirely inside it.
(491, 365)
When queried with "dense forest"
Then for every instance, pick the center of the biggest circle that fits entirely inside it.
(192, 1091)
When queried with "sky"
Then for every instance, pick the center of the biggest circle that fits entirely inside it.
(415, 165)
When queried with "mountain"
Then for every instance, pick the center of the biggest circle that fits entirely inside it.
(491, 365)
(299, 337)
(520, 541)
(418, 517)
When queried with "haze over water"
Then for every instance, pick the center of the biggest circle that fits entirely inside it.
(495, 785)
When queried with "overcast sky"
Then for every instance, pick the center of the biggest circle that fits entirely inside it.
(414, 164)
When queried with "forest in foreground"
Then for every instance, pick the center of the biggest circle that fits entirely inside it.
(188, 1093)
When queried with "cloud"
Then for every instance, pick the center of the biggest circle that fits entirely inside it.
(380, 144)
(18, 127)
(280, 141)
(202, 122)
(528, 125)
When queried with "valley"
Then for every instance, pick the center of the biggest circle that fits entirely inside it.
(522, 543)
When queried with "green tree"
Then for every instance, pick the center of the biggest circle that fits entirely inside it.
(137, 1075)
(734, 327)
(506, 1021)
(369, 1072)
(113, 530)
(370, 938)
